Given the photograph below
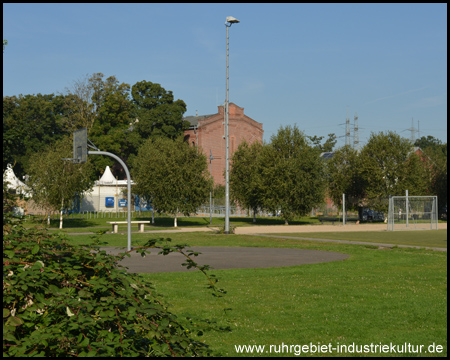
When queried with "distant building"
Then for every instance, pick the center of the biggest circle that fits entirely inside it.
(105, 195)
(208, 133)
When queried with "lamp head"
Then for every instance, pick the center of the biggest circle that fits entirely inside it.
(231, 20)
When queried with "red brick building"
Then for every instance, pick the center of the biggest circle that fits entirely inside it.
(208, 133)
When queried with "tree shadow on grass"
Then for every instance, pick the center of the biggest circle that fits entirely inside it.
(197, 221)
(72, 223)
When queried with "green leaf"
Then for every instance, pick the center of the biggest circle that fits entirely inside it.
(85, 342)
(35, 249)
(6, 312)
(14, 321)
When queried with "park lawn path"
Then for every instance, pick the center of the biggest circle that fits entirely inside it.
(270, 229)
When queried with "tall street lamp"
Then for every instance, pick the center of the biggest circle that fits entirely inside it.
(229, 21)
(211, 158)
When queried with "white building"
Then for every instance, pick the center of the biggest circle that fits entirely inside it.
(108, 194)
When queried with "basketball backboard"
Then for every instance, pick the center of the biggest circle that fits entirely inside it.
(80, 146)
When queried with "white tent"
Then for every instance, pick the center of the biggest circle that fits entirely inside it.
(107, 178)
(13, 182)
(106, 187)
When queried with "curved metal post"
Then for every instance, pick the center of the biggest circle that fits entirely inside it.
(128, 188)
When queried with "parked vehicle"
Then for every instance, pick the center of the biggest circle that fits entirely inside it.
(370, 215)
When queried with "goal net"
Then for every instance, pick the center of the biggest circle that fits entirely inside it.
(412, 213)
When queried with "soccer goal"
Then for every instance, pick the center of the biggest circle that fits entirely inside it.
(413, 213)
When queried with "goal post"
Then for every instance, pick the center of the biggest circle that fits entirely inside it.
(413, 213)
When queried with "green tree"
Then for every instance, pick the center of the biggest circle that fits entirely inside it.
(30, 123)
(245, 176)
(344, 177)
(293, 174)
(113, 113)
(435, 156)
(427, 141)
(79, 105)
(390, 167)
(54, 182)
(173, 174)
(157, 112)
(327, 146)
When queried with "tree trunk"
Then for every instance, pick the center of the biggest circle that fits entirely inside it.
(254, 215)
(61, 215)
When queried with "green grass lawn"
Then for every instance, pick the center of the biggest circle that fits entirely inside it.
(432, 238)
(85, 223)
(377, 296)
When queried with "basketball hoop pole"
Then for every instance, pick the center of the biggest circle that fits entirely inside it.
(128, 188)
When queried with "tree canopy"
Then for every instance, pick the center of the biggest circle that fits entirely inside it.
(390, 167)
(54, 182)
(427, 141)
(173, 174)
(327, 146)
(343, 176)
(435, 156)
(118, 117)
(246, 182)
(293, 174)
(157, 112)
(30, 123)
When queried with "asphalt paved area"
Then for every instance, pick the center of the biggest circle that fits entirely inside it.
(225, 258)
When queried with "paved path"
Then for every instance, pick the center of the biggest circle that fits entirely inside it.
(274, 229)
(351, 242)
(226, 258)
(278, 229)
(300, 229)
(247, 257)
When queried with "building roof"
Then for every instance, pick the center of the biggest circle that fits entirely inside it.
(109, 179)
(327, 155)
(193, 120)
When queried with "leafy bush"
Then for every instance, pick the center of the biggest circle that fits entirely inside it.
(61, 300)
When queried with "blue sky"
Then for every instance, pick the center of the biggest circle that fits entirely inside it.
(303, 64)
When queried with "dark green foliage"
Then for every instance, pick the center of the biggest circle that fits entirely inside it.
(116, 122)
(292, 173)
(54, 182)
(327, 146)
(285, 175)
(427, 141)
(435, 156)
(158, 114)
(30, 123)
(113, 113)
(63, 300)
(389, 167)
(343, 173)
(173, 174)
(245, 176)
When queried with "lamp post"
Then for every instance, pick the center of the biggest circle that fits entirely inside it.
(229, 21)
(211, 158)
